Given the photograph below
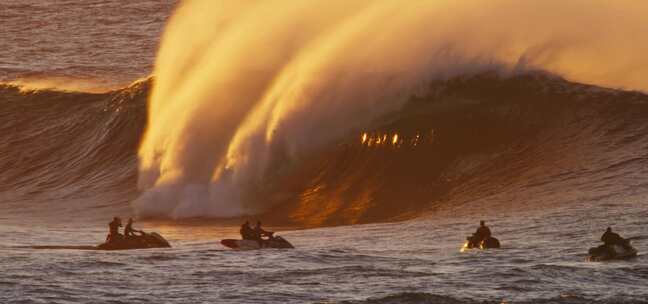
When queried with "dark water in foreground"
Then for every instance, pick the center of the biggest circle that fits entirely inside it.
(542, 261)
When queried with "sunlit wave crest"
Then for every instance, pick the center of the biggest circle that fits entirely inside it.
(245, 91)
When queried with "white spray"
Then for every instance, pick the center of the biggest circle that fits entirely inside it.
(244, 90)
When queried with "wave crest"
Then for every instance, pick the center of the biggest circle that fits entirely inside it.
(241, 107)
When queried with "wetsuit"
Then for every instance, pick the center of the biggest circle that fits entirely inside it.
(483, 232)
(114, 230)
(129, 231)
(246, 232)
(610, 238)
(259, 233)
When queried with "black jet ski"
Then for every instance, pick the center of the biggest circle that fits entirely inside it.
(276, 242)
(487, 243)
(142, 241)
(612, 252)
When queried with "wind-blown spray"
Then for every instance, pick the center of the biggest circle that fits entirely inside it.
(245, 90)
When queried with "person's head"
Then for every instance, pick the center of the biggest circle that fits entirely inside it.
(130, 220)
(115, 219)
(482, 223)
(259, 223)
(609, 229)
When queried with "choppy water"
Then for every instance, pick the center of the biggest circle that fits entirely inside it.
(549, 164)
(542, 261)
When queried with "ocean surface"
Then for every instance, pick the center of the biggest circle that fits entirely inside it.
(377, 216)
(542, 260)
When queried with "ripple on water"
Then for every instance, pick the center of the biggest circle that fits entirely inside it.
(410, 298)
(158, 257)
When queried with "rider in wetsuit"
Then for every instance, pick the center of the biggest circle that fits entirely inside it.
(482, 233)
(259, 233)
(246, 231)
(610, 238)
(113, 227)
(129, 231)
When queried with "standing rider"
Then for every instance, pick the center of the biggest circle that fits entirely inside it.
(113, 226)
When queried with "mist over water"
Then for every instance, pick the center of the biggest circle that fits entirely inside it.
(246, 91)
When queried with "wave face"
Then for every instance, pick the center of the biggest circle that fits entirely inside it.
(242, 108)
(65, 147)
(480, 143)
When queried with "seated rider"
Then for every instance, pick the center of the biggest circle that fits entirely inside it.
(129, 231)
(482, 233)
(113, 233)
(259, 233)
(246, 231)
(610, 238)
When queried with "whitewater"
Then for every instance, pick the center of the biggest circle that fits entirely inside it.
(373, 135)
(243, 107)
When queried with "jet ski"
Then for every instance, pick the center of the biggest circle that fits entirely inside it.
(613, 252)
(276, 242)
(487, 243)
(142, 241)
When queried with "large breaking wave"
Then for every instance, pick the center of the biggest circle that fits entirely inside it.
(247, 92)
(329, 113)
(480, 142)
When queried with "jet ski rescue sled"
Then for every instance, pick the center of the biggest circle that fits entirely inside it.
(276, 242)
(142, 241)
(614, 252)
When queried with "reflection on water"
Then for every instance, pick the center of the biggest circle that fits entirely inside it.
(378, 139)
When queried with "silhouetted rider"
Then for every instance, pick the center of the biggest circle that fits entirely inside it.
(610, 238)
(259, 233)
(129, 231)
(113, 227)
(482, 233)
(247, 233)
